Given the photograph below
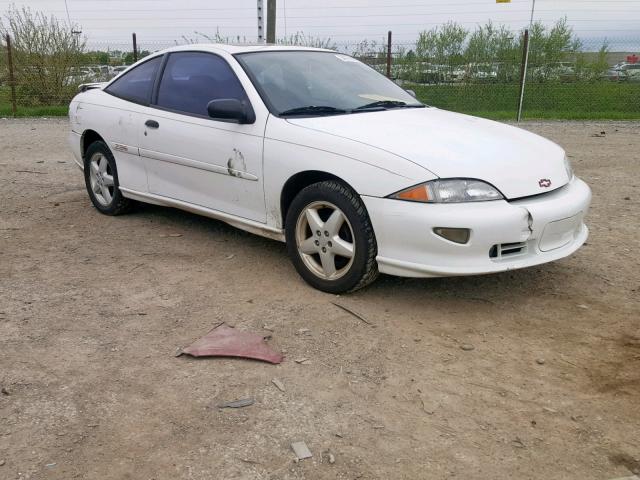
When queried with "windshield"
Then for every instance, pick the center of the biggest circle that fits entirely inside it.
(321, 83)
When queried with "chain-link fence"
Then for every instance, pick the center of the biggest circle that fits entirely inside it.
(589, 80)
(479, 74)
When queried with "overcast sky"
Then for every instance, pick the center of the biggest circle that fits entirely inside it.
(163, 21)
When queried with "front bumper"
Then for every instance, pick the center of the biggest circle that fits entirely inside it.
(505, 235)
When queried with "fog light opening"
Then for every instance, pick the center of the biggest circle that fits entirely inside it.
(456, 235)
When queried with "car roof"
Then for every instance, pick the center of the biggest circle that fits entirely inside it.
(242, 48)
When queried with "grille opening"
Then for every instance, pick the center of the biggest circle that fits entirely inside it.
(502, 250)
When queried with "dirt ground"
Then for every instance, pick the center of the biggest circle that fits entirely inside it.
(92, 309)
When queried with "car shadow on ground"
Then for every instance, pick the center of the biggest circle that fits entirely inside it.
(511, 286)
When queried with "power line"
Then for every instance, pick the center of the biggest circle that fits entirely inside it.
(68, 16)
(320, 17)
(491, 7)
(429, 5)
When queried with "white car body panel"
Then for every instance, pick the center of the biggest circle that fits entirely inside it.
(207, 156)
(290, 149)
(236, 173)
(120, 119)
(452, 145)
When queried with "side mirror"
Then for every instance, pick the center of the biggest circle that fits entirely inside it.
(231, 110)
(412, 93)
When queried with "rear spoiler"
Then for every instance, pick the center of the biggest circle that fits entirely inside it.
(89, 86)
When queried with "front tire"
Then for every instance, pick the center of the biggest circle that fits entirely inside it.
(101, 180)
(330, 238)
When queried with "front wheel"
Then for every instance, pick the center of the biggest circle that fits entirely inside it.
(101, 180)
(330, 238)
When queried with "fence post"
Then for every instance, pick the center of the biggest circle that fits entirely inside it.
(389, 54)
(135, 48)
(12, 81)
(523, 72)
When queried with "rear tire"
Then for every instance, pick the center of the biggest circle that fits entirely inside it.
(330, 239)
(101, 180)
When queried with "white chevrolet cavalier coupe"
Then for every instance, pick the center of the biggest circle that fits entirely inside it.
(314, 148)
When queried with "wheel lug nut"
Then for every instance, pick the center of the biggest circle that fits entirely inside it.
(326, 234)
(317, 243)
(330, 244)
(318, 232)
(324, 250)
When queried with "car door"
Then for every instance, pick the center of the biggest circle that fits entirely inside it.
(196, 159)
(118, 120)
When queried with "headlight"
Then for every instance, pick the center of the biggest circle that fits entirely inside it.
(455, 190)
(567, 167)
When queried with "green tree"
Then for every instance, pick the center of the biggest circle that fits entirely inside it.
(128, 58)
(590, 68)
(549, 47)
(495, 49)
(442, 45)
(96, 57)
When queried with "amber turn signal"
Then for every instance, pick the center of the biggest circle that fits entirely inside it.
(415, 194)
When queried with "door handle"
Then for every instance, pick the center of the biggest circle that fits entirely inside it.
(152, 124)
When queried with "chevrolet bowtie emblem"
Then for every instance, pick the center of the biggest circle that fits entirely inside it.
(544, 182)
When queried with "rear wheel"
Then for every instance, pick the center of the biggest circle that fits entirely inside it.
(101, 180)
(330, 238)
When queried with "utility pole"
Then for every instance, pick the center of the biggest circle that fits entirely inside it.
(526, 61)
(135, 48)
(271, 21)
(260, 22)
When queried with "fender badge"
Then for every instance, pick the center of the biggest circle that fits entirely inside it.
(544, 182)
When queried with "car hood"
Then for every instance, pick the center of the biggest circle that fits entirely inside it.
(452, 145)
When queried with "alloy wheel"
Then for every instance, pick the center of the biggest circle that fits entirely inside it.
(325, 240)
(101, 179)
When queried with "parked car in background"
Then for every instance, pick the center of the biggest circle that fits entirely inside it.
(118, 70)
(561, 71)
(625, 72)
(554, 72)
(419, 72)
(482, 72)
(78, 76)
(455, 73)
(314, 148)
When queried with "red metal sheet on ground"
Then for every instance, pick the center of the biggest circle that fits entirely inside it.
(224, 341)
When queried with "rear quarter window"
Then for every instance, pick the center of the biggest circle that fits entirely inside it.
(137, 84)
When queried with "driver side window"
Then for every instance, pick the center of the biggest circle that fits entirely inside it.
(192, 79)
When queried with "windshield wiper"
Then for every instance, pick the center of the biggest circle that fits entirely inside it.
(312, 110)
(385, 104)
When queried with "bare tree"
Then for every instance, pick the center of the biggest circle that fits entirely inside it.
(46, 55)
(4, 72)
(303, 40)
